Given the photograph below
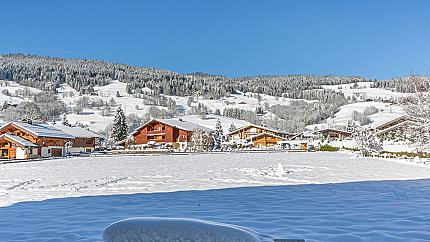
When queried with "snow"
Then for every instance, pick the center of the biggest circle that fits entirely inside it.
(41, 130)
(165, 173)
(19, 140)
(95, 121)
(76, 131)
(334, 197)
(12, 87)
(245, 101)
(365, 91)
(176, 230)
(183, 124)
(386, 113)
(211, 120)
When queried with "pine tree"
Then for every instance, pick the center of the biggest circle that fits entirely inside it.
(119, 130)
(218, 135)
(64, 121)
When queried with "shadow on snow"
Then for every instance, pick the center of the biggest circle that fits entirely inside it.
(357, 211)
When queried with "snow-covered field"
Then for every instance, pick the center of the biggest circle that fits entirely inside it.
(364, 91)
(386, 112)
(335, 196)
(250, 191)
(166, 173)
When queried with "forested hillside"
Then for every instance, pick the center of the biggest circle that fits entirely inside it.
(46, 73)
(405, 84)
(154, 90)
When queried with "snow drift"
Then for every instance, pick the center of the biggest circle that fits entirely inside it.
(177, 230)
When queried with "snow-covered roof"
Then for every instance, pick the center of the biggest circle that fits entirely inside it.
(264, 133)
(184, 125)
(40, 130)
(177, 123)
(76, 131)
(18, 140)
(404, 123)
(256, 126)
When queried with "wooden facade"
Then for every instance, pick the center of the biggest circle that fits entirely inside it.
(38, 146)
(84, 140)
(85, 143)
(249, 131)
(160, 132)
(265, 140)
(333, 134)
(394, 122)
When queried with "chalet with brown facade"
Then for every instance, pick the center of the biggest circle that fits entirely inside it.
(396, 127)
(265, 139)
(175, 132)
(20, 140)
(333, 134)
(257, 136)
(84, 141)
(250, 130)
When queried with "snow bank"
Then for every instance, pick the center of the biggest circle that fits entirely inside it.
(176, 230)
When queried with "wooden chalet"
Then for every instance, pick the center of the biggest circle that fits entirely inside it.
(265, 140)
(19, 140)
(394, 122)
(175, 132)
(333, 134)
(305, 135)
(250, 130)
(394, 127)
(84, 141)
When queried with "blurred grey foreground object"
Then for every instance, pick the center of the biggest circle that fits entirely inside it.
(153, 229)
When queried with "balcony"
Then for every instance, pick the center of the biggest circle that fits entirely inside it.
(156, 132)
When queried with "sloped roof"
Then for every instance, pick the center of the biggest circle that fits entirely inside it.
(18, 140)
(333, 130)
(255, 126)
(40, 130)
(76, 131)
(176, 123)
(402, 118)
(404, 123)
(184, 125)
(264, 133)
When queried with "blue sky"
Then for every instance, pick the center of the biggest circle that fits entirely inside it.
(376, 39)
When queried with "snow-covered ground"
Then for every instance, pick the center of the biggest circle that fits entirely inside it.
(364, 91)
(250, 191)
(96, 122)
(246, 101)
(133, 174)
(386, 112)
(12, 88)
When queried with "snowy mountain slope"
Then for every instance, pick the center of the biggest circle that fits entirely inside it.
(92, 116)
(386, 112)
(129, 103)
(14, 89)
(363, 91)
(246, 101)
(116, 91)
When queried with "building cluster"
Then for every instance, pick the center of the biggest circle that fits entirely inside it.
(177, 133)
(24, 140)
